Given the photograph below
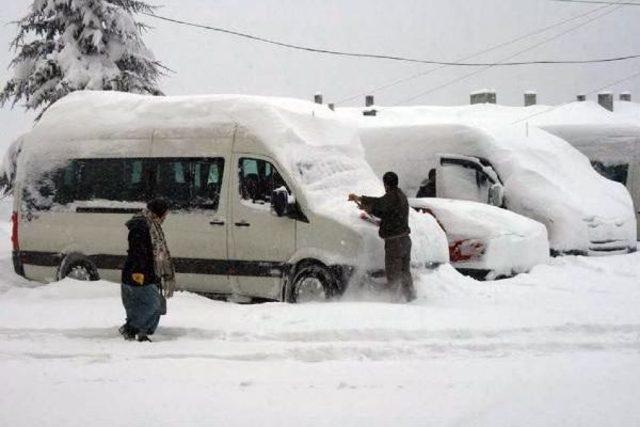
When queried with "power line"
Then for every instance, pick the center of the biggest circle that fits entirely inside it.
(599, 2)
(475, 72)
(474, 55)
(391, 57)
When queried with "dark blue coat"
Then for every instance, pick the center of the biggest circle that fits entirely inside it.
(140, 253)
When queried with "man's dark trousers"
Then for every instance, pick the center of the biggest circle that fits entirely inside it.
(397, 260)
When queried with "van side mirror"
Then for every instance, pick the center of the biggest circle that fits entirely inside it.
(496, 195)
(281, 201)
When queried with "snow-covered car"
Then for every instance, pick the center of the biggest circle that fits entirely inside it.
(487, 242)
(610, 140)
(521, 168)
(258, 185)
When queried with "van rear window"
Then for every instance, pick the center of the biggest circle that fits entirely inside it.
(189, 183)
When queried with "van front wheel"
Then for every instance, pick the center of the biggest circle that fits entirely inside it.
(78, 268)
(312, 283)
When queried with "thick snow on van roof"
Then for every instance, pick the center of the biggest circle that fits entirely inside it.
(322, 153)
(545, 178)
(627, 111)
(609, 136)
(574, 113)
(84, 114)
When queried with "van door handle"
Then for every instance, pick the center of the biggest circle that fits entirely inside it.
(217, 222)
(242, 224)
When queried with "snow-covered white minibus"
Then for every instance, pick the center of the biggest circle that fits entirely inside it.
(258, 186)
(523, 169)
(611, 140)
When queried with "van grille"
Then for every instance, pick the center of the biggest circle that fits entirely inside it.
(609, 247)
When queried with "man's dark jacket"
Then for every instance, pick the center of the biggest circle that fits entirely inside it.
(140, 253)
(427, 190)
(393, 211)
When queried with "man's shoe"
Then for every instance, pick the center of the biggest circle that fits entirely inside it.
(143, 338)
(127, 332)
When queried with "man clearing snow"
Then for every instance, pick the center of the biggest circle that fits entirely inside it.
(393, 211)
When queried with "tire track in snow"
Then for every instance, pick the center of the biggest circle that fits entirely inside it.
(340, 335)
(319, 346)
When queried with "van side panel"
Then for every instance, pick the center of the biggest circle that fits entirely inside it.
(46, 235)
(633, 184)
(198, 238)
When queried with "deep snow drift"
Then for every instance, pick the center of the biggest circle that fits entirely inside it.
(558, 346)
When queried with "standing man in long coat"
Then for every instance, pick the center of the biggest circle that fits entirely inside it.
(393, 211)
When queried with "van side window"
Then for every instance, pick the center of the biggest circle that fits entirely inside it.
(258, 179)
(173, 181)
(187, 183)
(616, 173)
(207, 182)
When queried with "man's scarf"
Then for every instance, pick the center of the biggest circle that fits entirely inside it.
(162, 262)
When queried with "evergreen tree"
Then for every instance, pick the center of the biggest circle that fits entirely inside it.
(68, 45)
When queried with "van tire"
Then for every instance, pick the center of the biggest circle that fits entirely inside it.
(79, 267)
(312, 282)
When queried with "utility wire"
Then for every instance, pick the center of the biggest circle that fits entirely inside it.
(473, 73)
(474, 55)
(389, 57)
(599, 2)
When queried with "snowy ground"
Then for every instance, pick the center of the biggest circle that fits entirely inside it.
(558, 346)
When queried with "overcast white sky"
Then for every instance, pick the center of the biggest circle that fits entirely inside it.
(209, 62)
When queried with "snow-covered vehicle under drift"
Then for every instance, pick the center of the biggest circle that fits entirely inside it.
(259, 190)
(525, 170)
(487, 242)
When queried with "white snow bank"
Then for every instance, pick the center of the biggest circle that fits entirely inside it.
(568, 291)
(461, 352)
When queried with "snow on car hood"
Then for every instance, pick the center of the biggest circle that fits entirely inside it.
(478, 220)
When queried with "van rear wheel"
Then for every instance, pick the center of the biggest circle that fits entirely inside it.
(78, 268)
(312, 283)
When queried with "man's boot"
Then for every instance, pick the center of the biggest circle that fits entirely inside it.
(127, 332)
